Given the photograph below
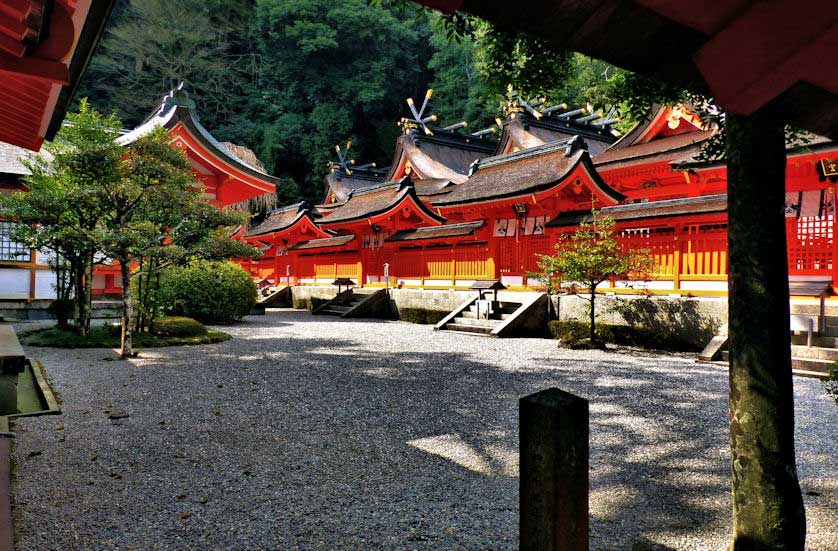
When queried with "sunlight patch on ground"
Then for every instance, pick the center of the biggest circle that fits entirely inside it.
(490, 460)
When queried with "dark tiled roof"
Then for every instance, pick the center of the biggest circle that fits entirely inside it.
(374, 200)
(279, 219)
(437, 232)
(322, 243)
(652, 209)
(524, 172)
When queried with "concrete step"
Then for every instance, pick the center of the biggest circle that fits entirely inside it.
(334, 310)
(820, 341)
(477, 322)
(812, 367)
(473, 315)
(477, 329)
(815, 352)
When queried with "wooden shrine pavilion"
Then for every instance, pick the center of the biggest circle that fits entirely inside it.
(454, 208)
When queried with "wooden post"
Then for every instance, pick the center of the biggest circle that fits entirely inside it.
(553, 471)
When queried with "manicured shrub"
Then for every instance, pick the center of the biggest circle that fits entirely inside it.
(210, 292)
(177, 326)
(422, 315)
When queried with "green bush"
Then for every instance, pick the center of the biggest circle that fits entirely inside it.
(177, 326)
(210, 292)
(831, 383)
(571, 333)
(302, 304)
(422, 315)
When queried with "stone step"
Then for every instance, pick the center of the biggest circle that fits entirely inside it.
(477, 329)
(811, 366)
(477, 322)
(820, 341)
(815, 352)
(473, 315)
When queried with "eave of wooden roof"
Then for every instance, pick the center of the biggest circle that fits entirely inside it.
(177, 116)
(337, 241)
(40, 74)
(463, 229)
(646, 211)
(380, 202)
(286, 220)
(746, 55)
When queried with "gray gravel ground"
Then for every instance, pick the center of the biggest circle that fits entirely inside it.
(319, 434)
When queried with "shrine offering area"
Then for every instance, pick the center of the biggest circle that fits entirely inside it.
(326, 434)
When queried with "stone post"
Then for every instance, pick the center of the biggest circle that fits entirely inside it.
(553, 471)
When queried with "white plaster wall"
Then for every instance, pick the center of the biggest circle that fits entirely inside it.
(45, 284)
(14, 283)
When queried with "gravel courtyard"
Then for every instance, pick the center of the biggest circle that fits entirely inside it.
(325, 434)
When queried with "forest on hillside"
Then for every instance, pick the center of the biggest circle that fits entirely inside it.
(292, 78)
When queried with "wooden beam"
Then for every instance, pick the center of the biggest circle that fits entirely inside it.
(54, 72)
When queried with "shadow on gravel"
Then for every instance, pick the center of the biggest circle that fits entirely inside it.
(277, 441)
(658, 458)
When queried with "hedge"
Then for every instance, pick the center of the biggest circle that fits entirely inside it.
(208, 291)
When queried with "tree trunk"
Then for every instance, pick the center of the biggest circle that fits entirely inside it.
(127, 309)
(768, 509)
(593, 313)
(82, 313)
(88, 292)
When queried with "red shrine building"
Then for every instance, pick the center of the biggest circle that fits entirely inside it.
(229, 174)
(455, 207)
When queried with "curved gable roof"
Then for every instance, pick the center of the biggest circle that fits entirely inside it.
(530, 171)
(379, 200)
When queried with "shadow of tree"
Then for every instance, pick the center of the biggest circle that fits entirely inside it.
(402, 439)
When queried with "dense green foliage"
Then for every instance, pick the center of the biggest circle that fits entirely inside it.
(292, 78)
(177, 326)
(108, 336)
(208, 291)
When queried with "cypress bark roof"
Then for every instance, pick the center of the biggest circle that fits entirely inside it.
(437, 232)
(376, 200)
(341, 184)
(652, 209)
(445, 155)
(525, 172)
(177, 108)
(280, 219)
(525, 131)
(323, 243)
